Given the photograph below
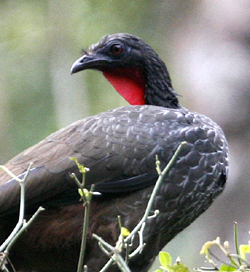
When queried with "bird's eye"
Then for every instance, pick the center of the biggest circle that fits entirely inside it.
(116, 49)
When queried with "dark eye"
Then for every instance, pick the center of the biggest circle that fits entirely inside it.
(116, 49)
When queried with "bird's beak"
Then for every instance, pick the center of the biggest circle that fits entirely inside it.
(88, 61)
(81, 64)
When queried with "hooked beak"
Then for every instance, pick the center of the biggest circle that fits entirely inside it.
(88, 61)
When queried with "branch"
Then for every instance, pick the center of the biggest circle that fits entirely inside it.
(116, 257)
(155, 190)
(140, 226)
(24, 228)
(22, 183)
(86, 196)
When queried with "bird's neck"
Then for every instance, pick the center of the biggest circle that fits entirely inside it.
(158, 89)
(150, 85)
(129, 83)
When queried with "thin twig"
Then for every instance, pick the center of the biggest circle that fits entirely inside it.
(240, 258)
(22, 183)
(24, 228)
(141, 244)
(121, 263)
(155, 190)
(107, 265)
(236, 242)
(85, 229)
(116, 257)
(86, 197)
(15, 238)
(103, 242)
(146, 215)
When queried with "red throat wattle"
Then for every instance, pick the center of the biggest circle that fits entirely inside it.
(129, 83)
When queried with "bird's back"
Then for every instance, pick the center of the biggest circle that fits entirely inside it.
(120, 148)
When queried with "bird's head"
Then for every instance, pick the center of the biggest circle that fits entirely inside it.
(132, 67)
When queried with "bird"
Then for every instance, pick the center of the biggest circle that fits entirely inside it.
(119, 146)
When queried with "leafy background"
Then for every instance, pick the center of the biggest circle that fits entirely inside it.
(205, 45)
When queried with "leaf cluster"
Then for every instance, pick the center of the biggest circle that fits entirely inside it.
(166, 264)
(235, 261)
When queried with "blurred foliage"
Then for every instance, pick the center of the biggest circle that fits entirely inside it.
(166, 264)
(235, 261)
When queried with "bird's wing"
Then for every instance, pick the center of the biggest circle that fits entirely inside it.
(112, 144)
(118, 146)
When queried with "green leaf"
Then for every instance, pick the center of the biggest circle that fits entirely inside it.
(179, 267)
(243, 250)
(81, 167)
(80, 192)
(85, 193)
(205, 248)
(225, 267)
(165, 259)
(158, 270)
(125, 232)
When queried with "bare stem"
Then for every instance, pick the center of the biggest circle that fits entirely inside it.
(236, 242)
(140, 226)
(24, 228)
(116, 257)
(22, 183)
(85, 229)
(155, 190)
